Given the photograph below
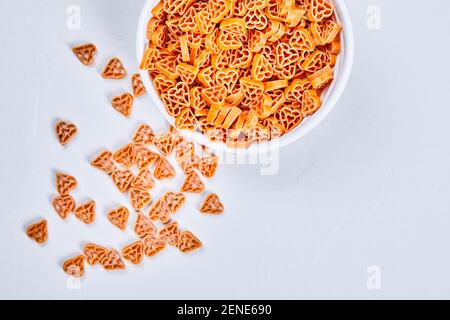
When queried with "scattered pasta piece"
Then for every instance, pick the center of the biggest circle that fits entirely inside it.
(143, 226)
(212, 205)
(164, 170)
(86, 212)
(104, 162)
(65, 132)
(160, 210)
(144, 135)
(122, 178)
(188, 242)
(38, 231)
(164, 143)
(85, 53)
(174, 201)
(114, 69)
(119, 217)
(144, 156)
(208, 166)
(75, 266)
(170, 233)
(65, 183)
(94, 253)
(112, 261)
(63, 205)
(139, 198)
(143, 180)
(153, 244)
(134, 252)
(123, 103)
(137, 85)
(193, 183)
(126, 155)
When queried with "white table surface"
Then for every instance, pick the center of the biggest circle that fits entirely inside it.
(368, 187)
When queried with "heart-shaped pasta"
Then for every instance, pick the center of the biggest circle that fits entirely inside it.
(238, 71)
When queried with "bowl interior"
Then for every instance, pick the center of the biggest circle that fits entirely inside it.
(329, 96)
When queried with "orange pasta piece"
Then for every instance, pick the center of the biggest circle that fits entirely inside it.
(86, 212)
(234, 25)
(315, 61)
(205, 24)
(143, 180)
(65, 183)
(187, 22)
(144, 135)
(65, 131)
(325, 32)
(119, 217)
(139, 198)
(105, 162)
(165, 143)
(212, 205)
(188, 242)
(167, 66)
(38, 231)
(134, 252)
(193, 184)
(252, 89)
(164, 170)
(153, 244)
(63, 205)
(184, 48)
(123, 103)
(126, 155)
(321, 77)
(162, 83)
(227, 40)
(158, 11)
(74, 266)
(85, 53)
(227, 78)
(112, 261)
(294, 16)
(160, 211)
(186, 120)
(255, 19)
(122, 178)
(320, 9)
(114, 69)
(174, 201)
(310, 102)
(289, 117)
(285, 55)
(137, 85)
(170, 233)
(261, 70)
(94, 253)
(214, 96)
(206, 77)
(275, 84)
(295, 90)
(187, 72)
(218, 9)
(208, 166)
(143, 226)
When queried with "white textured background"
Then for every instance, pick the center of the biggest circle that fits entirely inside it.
(369, 186)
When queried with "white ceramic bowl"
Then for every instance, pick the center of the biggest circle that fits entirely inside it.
(329, 97)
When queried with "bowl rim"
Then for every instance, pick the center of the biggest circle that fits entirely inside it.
(330, 97)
